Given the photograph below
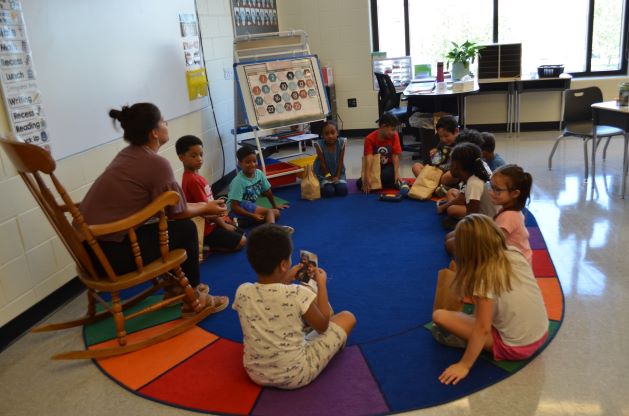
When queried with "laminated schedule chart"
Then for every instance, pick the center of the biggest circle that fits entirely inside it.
(18, 80)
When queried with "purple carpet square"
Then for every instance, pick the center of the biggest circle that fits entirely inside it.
(536, 240)
(345, 387)
(351, 186)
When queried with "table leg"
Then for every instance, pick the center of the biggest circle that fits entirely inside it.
(509, 110)
(624, 165)
(593, 157)
(517, 113)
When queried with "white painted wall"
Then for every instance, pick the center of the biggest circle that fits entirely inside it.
(340, 33)
(33, 262)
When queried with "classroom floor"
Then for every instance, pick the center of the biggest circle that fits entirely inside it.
(582, 372)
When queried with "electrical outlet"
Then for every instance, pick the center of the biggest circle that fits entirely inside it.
(352, 102)
(228, 73)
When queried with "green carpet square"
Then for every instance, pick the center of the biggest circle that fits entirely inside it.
(512, 366)
(105, 329)
(264, 202)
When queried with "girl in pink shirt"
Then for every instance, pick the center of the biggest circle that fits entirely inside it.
(511, 188)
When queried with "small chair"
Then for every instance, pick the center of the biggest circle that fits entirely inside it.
(389, 102)
(577, 116)
(34, 164)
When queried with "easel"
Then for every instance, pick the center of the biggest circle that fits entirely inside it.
(272, 49)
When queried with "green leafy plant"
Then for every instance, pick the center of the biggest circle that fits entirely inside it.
(463, 53)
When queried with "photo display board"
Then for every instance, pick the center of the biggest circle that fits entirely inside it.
(282, 92)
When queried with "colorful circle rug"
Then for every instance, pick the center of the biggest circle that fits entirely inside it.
(382, 261)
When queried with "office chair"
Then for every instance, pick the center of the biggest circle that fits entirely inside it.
(577, 116)
(389, 102)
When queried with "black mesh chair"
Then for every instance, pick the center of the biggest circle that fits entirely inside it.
(389, 102)
(577, 116)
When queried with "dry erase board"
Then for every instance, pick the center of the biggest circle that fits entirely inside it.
(282, 92)
(91, 56)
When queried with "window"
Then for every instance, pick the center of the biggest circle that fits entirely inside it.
(589, 37)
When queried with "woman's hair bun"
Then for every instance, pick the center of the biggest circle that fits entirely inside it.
(121, 115)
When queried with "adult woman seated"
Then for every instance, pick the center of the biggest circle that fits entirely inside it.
(135, 177)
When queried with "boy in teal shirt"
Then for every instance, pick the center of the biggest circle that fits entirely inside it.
(246, 187)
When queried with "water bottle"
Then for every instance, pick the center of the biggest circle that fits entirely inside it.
(440, 77)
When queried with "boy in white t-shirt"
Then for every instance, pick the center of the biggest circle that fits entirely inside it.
(278, 352)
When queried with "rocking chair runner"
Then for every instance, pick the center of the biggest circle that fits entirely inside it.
(32, 163)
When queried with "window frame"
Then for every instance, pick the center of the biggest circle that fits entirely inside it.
(588, 64)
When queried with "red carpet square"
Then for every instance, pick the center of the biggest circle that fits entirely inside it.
(542, 264)
(138, 368)
(213, 380)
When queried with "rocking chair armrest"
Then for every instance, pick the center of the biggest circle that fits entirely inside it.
(138, 218)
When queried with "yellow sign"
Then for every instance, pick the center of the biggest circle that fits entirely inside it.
(197, 84)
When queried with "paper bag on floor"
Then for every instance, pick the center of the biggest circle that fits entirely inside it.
(375, 182)
(310, 186)
(426, 183)
(445, 298)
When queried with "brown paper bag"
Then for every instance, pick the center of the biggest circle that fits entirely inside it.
(445, 298)
(375, 182)
(310, 186)
(426, 183)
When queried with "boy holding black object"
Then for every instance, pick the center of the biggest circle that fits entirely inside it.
(219, 233)
(276, 351)
(246, 187)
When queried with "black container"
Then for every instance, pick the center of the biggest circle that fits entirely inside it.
(549, 71)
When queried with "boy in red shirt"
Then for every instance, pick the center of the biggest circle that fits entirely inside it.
(220, 234)
(383, 146)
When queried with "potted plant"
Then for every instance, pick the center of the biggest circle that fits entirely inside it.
(461, 56)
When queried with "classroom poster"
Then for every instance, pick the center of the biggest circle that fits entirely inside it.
(254, 16)
(196, 79)
(18, 80)
(283, 92)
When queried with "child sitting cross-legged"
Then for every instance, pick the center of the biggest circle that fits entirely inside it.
(328, 165)
(219, 232)
(493, 159)
(277, 350)
(246, 187)
(382, 146)
(510, 319)
(448, 130)
(511, 189)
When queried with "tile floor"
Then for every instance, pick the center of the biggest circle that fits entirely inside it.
(583, 372)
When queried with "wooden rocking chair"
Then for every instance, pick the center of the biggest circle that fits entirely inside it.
(33, 163)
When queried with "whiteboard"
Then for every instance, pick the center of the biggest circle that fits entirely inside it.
(282, 92)
(92, 56)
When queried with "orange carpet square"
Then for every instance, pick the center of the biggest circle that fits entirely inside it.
(542, 264)
(136, 369)
(214, 380)
(553, 297)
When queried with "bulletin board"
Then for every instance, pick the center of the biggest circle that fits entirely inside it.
(282, 92)
(92, 56)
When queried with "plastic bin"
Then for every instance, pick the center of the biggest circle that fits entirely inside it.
(302, 162)
(282, 167)
(549, 71)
